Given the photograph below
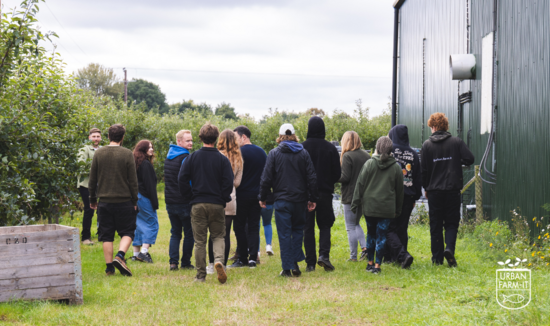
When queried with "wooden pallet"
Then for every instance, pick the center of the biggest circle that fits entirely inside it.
(40, 262)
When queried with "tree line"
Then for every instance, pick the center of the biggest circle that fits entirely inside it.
(45, 116)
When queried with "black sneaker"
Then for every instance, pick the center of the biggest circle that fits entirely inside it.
(133, 258)
(325, 263)
(120, 264)
(188, 267)
(296, 271)
(236, 264)
(146, 258)
(310, 268)
(376, 270)
(370, 268)
(407, 262)
(450, 258)
(363, 255)
(174, 267)
(252, 264)
(285, 273)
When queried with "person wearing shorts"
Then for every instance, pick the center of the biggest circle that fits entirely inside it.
(113, 181)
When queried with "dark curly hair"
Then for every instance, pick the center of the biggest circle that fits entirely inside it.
(140, 152)
(438, 121)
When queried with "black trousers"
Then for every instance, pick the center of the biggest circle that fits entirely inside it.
(324, 215)
(444, 214)
(88, 214)
(397, 237)
(246, 225)
(228, 222)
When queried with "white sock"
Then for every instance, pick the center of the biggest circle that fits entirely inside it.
(144, 250)
(136, 253)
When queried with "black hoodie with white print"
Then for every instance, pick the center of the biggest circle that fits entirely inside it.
(407, 158)
(442, 158)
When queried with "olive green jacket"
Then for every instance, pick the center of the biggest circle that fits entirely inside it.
(85, 154)
(379, 189)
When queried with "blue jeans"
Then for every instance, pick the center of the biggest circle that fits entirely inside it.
(377, 228)
(267, 214)
(147, 223)
(290, 219)
(180, 219)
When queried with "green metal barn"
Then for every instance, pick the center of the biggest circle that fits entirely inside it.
(506, 117)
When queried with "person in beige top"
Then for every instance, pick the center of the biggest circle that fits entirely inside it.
(228, 146)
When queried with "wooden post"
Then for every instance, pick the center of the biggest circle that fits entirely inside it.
(479, 196)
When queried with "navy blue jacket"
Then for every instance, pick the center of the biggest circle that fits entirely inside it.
(290, 173)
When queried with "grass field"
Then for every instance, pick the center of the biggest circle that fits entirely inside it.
(423, 295)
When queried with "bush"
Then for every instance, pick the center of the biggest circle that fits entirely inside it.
(42, 113)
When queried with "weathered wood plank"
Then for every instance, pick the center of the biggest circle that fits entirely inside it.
(78, 297)
(36, 282)
(36, 248)
(14, 239)
(34, 271)
(28, 228)
(36, 260)
(50, 293)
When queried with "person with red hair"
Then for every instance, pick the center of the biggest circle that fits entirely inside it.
(442, 158)
(147, 224)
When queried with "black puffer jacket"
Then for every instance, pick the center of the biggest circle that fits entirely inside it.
(442, 160)
(408, 160)
(290, 173)
(324, 156)
(172, 166)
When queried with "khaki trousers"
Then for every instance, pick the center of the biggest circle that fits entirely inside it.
(208, 217)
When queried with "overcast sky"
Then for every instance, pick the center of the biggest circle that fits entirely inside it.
(254, 54)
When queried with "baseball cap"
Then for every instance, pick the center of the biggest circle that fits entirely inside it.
(286, 128)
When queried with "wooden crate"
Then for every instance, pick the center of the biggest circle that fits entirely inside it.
(40, 262)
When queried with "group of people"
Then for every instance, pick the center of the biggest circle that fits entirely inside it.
(232, 182)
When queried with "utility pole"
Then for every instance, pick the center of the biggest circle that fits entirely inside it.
(125, 87)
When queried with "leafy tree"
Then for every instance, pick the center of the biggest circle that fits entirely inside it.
(187, 106)
(41, 125)
(99, 80)
(140, 90)
(316, 112)
(19, 39)
(226, 111)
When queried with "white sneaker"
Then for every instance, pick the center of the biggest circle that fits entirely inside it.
(269, 250)
(210, 269)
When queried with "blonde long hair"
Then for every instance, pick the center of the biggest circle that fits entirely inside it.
(228, 146)
(350, 142)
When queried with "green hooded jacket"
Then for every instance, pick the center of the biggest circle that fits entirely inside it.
(379, 189)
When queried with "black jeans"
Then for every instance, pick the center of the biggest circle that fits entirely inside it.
(324, 214)
(88, 213)
(248, 236)
(228, 222)
(444, 209)
(180, 219)
(398, 238)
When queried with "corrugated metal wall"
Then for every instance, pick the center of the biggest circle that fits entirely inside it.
(429, 32)
(523, 147)
(523, 89)
(481, 25)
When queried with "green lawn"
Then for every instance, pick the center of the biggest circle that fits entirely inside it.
(423, 295)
